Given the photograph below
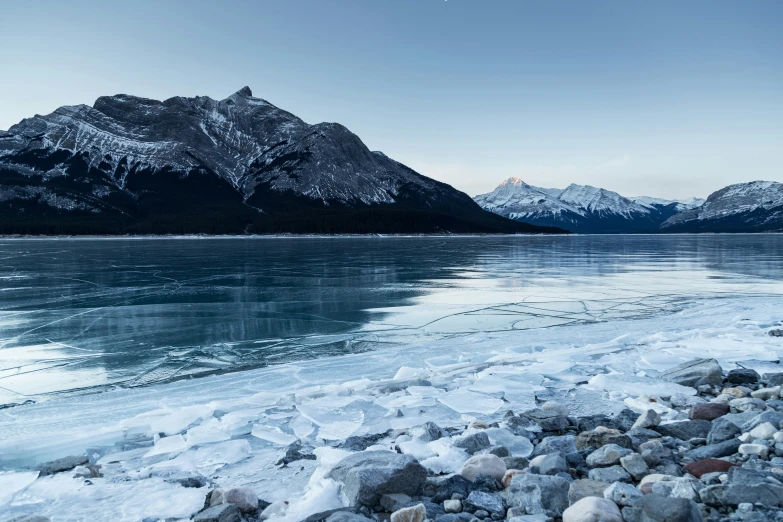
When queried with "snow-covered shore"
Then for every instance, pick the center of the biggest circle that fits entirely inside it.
(233, 430)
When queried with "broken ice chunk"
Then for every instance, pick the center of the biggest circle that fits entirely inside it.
(218, 455)
(274, 435)
(11, 482)
(167, 445)
(406, 373)
(634, 385)
(464, 401)
(180, 420)
(206, 433)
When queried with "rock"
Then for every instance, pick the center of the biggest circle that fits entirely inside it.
(63, 464)
(219, 513)
(550, 420)
(708, 411)
(653, 452)
(515, 462)
(764, 493)
(428, 432)
(455, 484)
(296, 451)
(621, 494)
(747, 404)
(452, 506)
(656, 508)
(499, 451)
(771, 416)
(610, 474)
(734, 392)
(685, 430)
(530, 518)
(714, 451)
(722, 430)
(582, 488)
(774, 379)
(369, 474)
(607, 455)
(777, 332)
(635, 465)
(624, 420)
(483, 464)
(591, 422)
(391, 502)
(563, 444)
(766, 393)
(31, 518)
(455, 517)
(551, 464)
(538, 494)
(696, 372)
(473, 443)
(344, 516)
(764, 431)
(593, 509)
(682, 401)
(509, 476)
(489, 502)
(648, 419)
(754, 449)
(243, 498)
(361, 442)
(417, 513)
(555, 407)
(601, 437)
(743, 376)
(487, 484)
(700, 467)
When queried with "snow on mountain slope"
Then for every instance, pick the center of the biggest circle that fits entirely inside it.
(577, 207)
(754, 206)
(682, 204)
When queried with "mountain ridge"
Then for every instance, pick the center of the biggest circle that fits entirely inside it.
(198, 165)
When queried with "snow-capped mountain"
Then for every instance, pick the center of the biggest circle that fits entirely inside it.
(577, 208)
(682, 204)
(746, 207)
(130, 164)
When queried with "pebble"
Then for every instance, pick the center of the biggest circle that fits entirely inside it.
(452, 506)
(593, 509)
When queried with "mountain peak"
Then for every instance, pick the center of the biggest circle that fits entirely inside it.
(244, 91)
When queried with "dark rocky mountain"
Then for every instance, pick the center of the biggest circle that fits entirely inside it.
(198, 165)
(745, 207)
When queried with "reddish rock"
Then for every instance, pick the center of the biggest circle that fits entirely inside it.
(700, 467)
(708, 411)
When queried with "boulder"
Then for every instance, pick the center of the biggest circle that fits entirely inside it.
(593, 509)
(455, 484)
(635, 465)
(549, 420)
(697, 372)
(771, 416)
(492, 503)
(243, 498)
(685, 430)
(607, 455)
(747, 404)
(708, 411)
(551, 464)
(484, 464)
(219, 513)
(657, 508)
(743, 376)
(722, 430)
(582, 488)
(601, 437)
(622, 494)
(369, 474)
(63, 464)
(538, 494)
(417, 513)
(610, 474)
(473, 443)
(563, 444)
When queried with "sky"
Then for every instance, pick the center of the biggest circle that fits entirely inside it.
(667, 98)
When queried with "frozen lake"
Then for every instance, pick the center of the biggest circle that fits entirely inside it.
(76, 314)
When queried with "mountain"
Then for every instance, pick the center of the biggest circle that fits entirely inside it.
(578, 208)
(198, 165)
(682, 204)
(745, 207)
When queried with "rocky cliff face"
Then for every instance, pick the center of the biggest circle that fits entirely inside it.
(186, 165)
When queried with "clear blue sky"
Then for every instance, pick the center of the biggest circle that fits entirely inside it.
(663, 98)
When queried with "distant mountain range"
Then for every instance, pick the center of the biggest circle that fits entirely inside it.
(198, 165)
(746, 207)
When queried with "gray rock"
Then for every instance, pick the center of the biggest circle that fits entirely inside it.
(431, 509)
(563, 444)
(454, 517)
(538, 494)
(31, 518)
(697, 372)
(473, 443)
(499, 451)
(451, 485)
(744, 485)
(368, 475)
(776, 332)
(63, 464)
(489, 502)
(347, 516)
(549, 420)
(774, 379)
(515, 462)
(551, 464)
(656, 508)
(715, 451)
(429, 431)
(747, 404)
(219, 513)
(722, 430)
(635, 465)
(582, 488)
(684, 430)
(743, 376)
(772, 416)
(607, 455)
(648, 419)
(610, 474)
(601, 437)
(622, 494)
(391, 502)
(591, 422)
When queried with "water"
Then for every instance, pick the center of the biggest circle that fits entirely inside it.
(82, 314)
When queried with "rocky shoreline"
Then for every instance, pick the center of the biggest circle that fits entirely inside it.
(712, 454)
